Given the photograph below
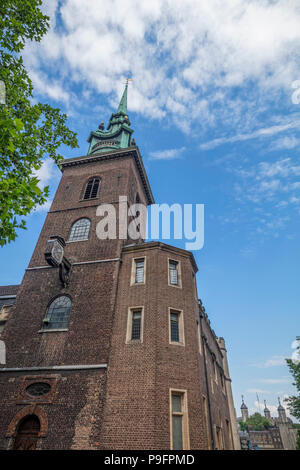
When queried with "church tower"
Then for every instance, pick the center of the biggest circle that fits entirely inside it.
(107, 346)
(244, 411)
(281, 412)
(267, 412)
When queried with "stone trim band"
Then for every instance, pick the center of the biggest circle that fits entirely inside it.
(78, 263)
(72, 367)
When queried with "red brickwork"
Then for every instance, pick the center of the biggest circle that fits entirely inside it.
(127, 406)
(74, 417)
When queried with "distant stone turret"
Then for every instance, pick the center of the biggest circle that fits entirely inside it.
(244, 410)
(267, 412)
(281, 412)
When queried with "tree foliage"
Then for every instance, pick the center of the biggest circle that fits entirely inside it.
(257, 422)
(28, 132)
(293, 402)
(298, 441)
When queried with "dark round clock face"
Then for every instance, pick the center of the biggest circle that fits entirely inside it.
(57, 252)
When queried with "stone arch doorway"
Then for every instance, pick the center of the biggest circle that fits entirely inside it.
(27, 433)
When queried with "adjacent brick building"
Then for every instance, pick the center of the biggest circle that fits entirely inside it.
(116, 352)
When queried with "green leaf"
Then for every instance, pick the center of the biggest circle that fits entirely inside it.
(29, 133)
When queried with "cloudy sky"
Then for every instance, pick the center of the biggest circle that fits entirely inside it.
(214, 103)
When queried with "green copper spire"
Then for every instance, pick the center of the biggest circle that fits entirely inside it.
(123, 103)
(118, 132)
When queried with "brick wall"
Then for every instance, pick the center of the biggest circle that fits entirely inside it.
(140, 375)
(73, 415)
(130, 409)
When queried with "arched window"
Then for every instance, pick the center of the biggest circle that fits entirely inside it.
(92, 188)
(80, 230)
(58, 313)
(27, 434)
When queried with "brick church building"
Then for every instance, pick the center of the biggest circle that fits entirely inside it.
(107, 343)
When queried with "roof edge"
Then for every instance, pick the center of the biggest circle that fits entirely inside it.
(129, 151)
(162, 246)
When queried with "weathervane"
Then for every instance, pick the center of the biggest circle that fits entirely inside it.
(128, 80)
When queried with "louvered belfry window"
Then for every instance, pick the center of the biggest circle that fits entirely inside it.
(174, 327)
(136, 325)
(173, 269)
(139, 270)
(92, 188)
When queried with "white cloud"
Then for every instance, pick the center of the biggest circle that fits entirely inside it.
(259, 407)
(282, 168)
(184, 56)
(52, 89)
(296, 354)
(44, 207)
(47, 173)
(170, 154)
(273, 183)
(263, 132)
(283, 380)
(258, 390)
(286, 142)
(275, 361)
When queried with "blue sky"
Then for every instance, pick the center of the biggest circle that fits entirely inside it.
(216, 115)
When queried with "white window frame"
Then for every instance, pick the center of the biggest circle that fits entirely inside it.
(215, 368)
(206, 420)
(179, 283)
(133, 271)
(199, 338)
(79, 239)
(185, 418)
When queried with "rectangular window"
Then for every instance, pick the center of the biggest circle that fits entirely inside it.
(135, 321)
(179, 424)
(215, 371)
(206, 421)
(173, 272)
(136, 324)
(195, 285)
(220, 434)
(228, 428)
(174, 326)
(177, 416)
(199, 338)
(223, 383)
(218, 438)
(139, 270)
